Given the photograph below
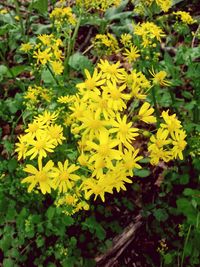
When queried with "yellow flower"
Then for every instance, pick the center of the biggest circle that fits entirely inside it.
(106, 43)
(116, 178)
(43, 56)
(92, 186)
(56, 133)
(91, 83)
(148, 31)
(125, 39)
(171, 122)
(26, 47)
(41, 145)
(78, 110)
(42, 176)
(47, 117)
(111, 71)
(125, 132)
(159, 140)
(21, 147)
(179, 143)
(66, 99)
(57, 67)
(164, 4)
(105, 148)
(159, 78)
(131, 54)
(34, 127)
(158, 154)
(145, 113)
(130, 158)
(92, 124)
(64, 176)
(116, 99)
(45, 38)
(185, 17)
(100, 104)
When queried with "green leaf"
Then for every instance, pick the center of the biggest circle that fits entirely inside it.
(50, 213)
(168, 258)
(8, 263)
(41, 6)
(67, 220)
(3, 71)
(12, 165)
(160, 215)
(184, 179)
(80, 62)
(5, 242)
(187, 94)
(16, 70)
(113, 11)
(47, 77)
(142, 173)
(40, 241)
(144, 160)
(9, 147)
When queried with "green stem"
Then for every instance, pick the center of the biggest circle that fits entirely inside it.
(14, 126)
(53, 75)
(70, 47)
(173, 101)
(185, 244)
(20, 20)
(153, 93)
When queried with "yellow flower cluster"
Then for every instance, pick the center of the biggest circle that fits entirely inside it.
(106, 136)
(101, 5)
(42, 136)
(49, 51)
(185, 17)
(37, 95)
(169, 141)
(26, 47)
(126, 39)
(105, 44)
(63, 15)
(149, 32)
(164, 4)
(141, 6)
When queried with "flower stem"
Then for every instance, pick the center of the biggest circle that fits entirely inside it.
(185, 244)
(70, 48)
(153, 93)
(53, 75)
(20, 20)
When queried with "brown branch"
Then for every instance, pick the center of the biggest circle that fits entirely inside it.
(120, 243)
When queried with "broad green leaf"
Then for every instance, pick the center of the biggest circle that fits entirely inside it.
(8, 263)
(19, 69)
(41, 6)
(47, 77)
(80, 62)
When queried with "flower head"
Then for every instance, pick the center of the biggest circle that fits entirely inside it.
(42, 176)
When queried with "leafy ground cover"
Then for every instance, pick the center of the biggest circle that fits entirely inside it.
(100, 133)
